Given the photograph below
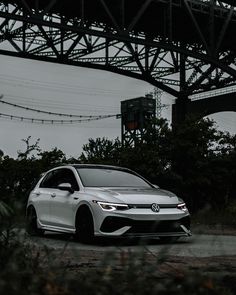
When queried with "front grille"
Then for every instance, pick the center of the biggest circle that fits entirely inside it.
(156, 226)
(148, 206)
(111, 224)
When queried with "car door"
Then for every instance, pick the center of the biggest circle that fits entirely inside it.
(43, 197)
(64, 203)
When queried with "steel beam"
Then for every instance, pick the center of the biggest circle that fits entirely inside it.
(116, 42)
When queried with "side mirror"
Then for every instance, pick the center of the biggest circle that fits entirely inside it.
(66, 187)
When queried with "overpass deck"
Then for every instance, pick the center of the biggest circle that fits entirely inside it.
(176, 20)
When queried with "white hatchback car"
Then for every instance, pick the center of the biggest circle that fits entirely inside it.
(99, 200)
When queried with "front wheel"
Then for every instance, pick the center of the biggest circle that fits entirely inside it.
(84, 226)
(31, 223)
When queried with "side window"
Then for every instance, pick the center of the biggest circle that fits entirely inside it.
(48, 181)
(56, 177)
(67, 176)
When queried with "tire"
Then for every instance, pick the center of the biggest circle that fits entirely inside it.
(84, 226)
(31, 223)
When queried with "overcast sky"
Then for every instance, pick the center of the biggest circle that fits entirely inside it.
(71, 90)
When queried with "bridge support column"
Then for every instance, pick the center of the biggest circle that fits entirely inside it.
(200, 108)
(179, 110)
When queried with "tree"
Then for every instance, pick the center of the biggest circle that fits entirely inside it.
(17, 176)
(51, 159)
(101, 151)
(29, 148)
(150, 157)
(198, 163)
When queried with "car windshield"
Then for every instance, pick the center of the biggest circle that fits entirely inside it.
(102, 177)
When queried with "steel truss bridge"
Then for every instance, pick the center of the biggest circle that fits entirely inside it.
(183, 47)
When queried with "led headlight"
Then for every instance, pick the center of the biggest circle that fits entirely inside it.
(182, 206)
(112, 206)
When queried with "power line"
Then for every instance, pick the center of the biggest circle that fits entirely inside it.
(38, 103)
(55, 122)
(50, 113)
(59, 87)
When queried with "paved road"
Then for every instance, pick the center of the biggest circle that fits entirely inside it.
(196, 246)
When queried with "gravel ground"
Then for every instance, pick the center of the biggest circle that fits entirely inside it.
(218, 229)
(211, 253)
(165, 260)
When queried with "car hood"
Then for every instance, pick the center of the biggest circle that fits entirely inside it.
(133, 195)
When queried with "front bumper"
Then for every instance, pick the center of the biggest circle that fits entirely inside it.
(142, 222)
(170, 222)
(137, 228)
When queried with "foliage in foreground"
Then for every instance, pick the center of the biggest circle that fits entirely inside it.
(30, 270)
(27, 268)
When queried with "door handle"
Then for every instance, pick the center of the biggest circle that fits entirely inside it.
(53, 195)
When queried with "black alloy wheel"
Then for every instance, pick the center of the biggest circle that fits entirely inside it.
(31, 223)
(84, 226)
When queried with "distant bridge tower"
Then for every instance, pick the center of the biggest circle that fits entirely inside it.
(157, 93)
(136, 115)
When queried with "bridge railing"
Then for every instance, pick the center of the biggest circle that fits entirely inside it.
(213, 93)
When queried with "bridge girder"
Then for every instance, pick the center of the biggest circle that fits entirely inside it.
(124, 42)
(200, 108)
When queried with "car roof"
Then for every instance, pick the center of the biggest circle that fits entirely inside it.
(99, 166)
